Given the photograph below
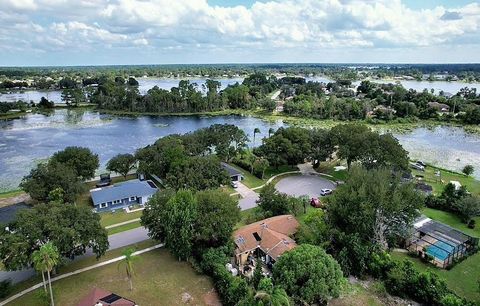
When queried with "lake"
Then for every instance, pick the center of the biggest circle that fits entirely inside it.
(34, 137)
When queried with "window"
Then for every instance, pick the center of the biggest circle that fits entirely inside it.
(132, 198)
(103, 205)
(109, 203)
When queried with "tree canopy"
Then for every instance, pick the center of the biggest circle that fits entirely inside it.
(80, 159)
(122, 163)
(70, 228)
(308, 274)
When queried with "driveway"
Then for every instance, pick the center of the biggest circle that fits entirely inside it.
(116, 241)
(249, 197)
(304, 185)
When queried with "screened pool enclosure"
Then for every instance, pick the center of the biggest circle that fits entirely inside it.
(440, 243)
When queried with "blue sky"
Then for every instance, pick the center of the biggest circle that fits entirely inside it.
(103, 32)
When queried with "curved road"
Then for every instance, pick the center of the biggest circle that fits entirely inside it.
(116, 241)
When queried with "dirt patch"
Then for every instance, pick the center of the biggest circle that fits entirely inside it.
(212, 299)
(23, 197)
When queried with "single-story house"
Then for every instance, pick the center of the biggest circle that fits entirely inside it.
(267, 239)
(234, 174)
(101, 297)
(122, 195)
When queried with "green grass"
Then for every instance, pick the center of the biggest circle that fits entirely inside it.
(462, 278)
(122, 228)
(272, 171)
(110, 218)
(329, 168)
(159, 278)
(469, 182)
(82, 263)
(452, 220)
(9, 194)
(358, 295)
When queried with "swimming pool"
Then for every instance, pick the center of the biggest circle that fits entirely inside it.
(440, 250)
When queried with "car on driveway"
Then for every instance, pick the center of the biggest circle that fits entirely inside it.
(234, 184)
(417, 166)
(325, 192)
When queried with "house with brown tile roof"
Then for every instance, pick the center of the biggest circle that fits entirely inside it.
(101, 297)
(267, 239)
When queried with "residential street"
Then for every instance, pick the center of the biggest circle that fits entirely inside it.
(116, 241)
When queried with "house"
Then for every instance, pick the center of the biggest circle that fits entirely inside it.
(122, 195)
(439, 107)
(439, 243)
(267, 240)
(234, 174)
(101, 297)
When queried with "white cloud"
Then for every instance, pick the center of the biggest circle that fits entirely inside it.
(183, 24)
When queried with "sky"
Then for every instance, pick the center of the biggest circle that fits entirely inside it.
(121, 32)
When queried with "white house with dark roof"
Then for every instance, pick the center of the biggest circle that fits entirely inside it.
(122, 195)
(234, 174)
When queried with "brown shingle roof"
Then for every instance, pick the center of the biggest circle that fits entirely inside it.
(270, 235)
(98, 295)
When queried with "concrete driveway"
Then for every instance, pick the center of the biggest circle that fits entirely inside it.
(249, 197)
(304, 185)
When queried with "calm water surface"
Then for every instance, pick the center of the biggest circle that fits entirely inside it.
(33, 138)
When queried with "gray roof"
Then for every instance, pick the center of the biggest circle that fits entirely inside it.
(133, 188)
(231, 170)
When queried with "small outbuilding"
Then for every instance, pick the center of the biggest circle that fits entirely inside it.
(234, 174)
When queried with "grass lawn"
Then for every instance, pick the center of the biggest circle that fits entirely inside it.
(122, 228)
(9, 194)
(109, 218)
(462, 278)
(446, 176)
(357, 295)
(329, 168)
(159, 280)
(249, 180)
(452, 220)
(81, 263)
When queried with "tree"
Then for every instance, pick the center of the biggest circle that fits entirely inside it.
(122, 163)
(46, 178)
(128, 253)
(357, 142)
(272, 203)
(308, 274)
(367, 212)
(81, 160)
(181, 214)
(269, 295)
(322, 146)
(468, 170)
(260, 165)
(71, 229)
(271, 131)
(45, 259)
(155, 213)
(468, 207)
(197, 173)
(255, 132)
(217, 214)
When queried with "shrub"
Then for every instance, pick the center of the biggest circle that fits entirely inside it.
(5, 288)
(471, 223)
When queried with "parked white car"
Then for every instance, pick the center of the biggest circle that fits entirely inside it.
(324, 192)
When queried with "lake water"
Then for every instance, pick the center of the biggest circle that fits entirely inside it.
(33, 138)
(437, 86)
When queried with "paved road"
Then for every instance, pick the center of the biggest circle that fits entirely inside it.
(301, 185)
(116, 241)
(249, 197)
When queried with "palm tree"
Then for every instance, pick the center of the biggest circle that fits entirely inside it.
(255, 132)
(129, 258)
(44, 260)
(270, 132)
(277, 297)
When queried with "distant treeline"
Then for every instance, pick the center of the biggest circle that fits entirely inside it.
(470, 72)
